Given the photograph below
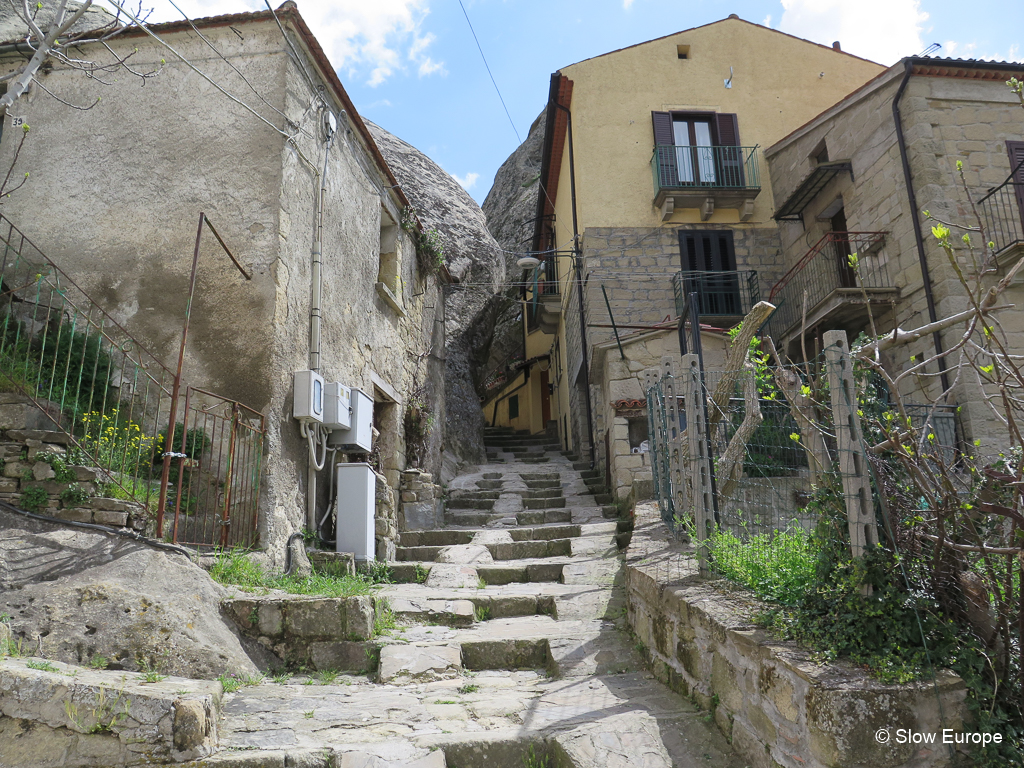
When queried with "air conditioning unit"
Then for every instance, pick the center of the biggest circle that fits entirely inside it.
(308, 396)
(354, 510)
(337, 406)
(358, 437)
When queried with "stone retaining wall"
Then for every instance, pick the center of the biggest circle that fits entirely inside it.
(59, 716)
(28, 446)
(779, 708)
(422, 508)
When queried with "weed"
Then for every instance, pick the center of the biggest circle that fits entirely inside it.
(74, 495)
(254, 615)
(309, 681)
(309, 714)
(327, 676)
(445, 701)
(532, 760)
(482, 612)
(778, 566)
(383, 617)
(470, 688)
(378, 572)
(34, 498)
(103, 715)
(62, 473)
(45, 666)
(232, 682)
(480, 583)
(282, 678)
(421, 574)
(152, 676)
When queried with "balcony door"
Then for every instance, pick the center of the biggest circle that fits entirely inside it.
(708, 262)
(695, 156)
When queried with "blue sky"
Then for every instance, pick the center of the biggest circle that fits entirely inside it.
(413, 67)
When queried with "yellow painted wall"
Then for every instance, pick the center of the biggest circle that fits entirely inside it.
(779, 83)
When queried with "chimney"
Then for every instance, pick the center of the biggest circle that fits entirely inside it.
(836, 46)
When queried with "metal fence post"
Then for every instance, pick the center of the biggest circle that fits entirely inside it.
(853, 463)
(699, 465)
(674, 438)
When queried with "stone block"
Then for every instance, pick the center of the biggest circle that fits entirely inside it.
(340, 655)
(359, 615)
(419, 516)
(314, 618)
(108, 517)
(421, 664)
(270, 620)
(114, 505)
(76, 514)
(16, 469)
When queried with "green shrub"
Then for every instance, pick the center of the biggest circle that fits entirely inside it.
(32, 499)
(777, 566)
(74, 495)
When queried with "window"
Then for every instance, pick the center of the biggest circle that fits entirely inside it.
(698, 149)
(704, 251)
(513, 407)
(683, 51)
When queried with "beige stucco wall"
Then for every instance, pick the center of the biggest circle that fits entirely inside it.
(114, 196)
(944, 120)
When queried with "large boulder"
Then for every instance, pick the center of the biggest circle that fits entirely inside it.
(77, 595)
(476, 262)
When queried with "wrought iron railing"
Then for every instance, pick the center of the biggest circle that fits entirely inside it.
(719, 294)
(1002, 213)
(682, 167)
(112, 397)
(824, 269)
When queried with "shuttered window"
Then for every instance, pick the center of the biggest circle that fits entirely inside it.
(703, 251)
(693, 149)
(1016, 150)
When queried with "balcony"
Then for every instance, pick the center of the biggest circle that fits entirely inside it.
(1002, 214)
(544, 306)
(705, 178)
(834, 291)
(723, 296)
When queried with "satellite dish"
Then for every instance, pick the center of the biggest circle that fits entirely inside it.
(528, 262)
(330, 123)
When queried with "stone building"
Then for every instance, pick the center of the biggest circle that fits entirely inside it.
(857, 179)
(653, 169)
(246, 120)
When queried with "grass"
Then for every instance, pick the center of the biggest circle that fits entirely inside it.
(778, 567)
(237, 568)
(44, 666)
(482, 612)
(327, 676)
(383, 617)
(470, 688)
(233, 682)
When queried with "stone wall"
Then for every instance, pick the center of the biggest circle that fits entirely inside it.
(421, 506)
(29, 452)
(777, 705)
(385, 521)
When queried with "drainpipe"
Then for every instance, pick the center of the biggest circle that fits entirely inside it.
(315, 326)
(577, 260)
(922, 257)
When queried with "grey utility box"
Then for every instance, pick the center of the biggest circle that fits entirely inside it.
(354, 509)
(357, 438)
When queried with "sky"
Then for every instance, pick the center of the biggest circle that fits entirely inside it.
(414, 68)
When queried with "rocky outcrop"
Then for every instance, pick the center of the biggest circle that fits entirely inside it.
(86, 597)
(475, 261)
(511, 207)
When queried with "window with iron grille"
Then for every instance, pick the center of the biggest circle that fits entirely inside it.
(708, 261)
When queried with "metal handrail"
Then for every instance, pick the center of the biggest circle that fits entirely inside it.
(677, 166)
(1002, 213)
(869, 239)
(729, 293)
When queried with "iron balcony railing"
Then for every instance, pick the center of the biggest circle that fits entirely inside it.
(1002, 213)
(822, 271)
(719, 294)
(684, 167)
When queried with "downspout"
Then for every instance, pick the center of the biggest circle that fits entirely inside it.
(315, 324)
(922, 257)
(578, 264)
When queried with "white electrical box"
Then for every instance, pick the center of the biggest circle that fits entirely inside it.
(358, 437)
(337, 406)
(308, 398)
(354, 510)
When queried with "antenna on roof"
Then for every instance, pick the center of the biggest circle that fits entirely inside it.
(933, 48)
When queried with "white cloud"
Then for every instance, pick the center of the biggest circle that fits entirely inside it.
(428, 67)
(767, 21)
(468, 181)
(626, 4)
(880, 30)
(366, 39)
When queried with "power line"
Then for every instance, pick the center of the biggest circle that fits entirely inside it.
(497, 90)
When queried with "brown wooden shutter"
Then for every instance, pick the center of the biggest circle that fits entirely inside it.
(664, 139)
(730, 160)
(1016, 152)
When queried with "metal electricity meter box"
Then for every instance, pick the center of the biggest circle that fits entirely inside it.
(358, 437)
(337, 406)
(308, 397)
(354, 510)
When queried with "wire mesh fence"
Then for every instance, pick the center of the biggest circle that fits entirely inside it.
(93, 381)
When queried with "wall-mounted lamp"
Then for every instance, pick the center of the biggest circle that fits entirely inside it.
(528, 262)
(728, 83)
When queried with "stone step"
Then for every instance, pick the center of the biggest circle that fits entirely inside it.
(489, 485)
(454, 536)
(464, 503)
(528, 477)
(542, 493)
(482, 493)
(470, 518)
(535, 460)
(541, 516)
(545, 503)
(520, 573)
(514, 550)
(603, 498)
(591, 474)
(546, 484)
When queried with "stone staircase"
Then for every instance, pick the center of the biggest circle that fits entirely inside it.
(503, 643)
